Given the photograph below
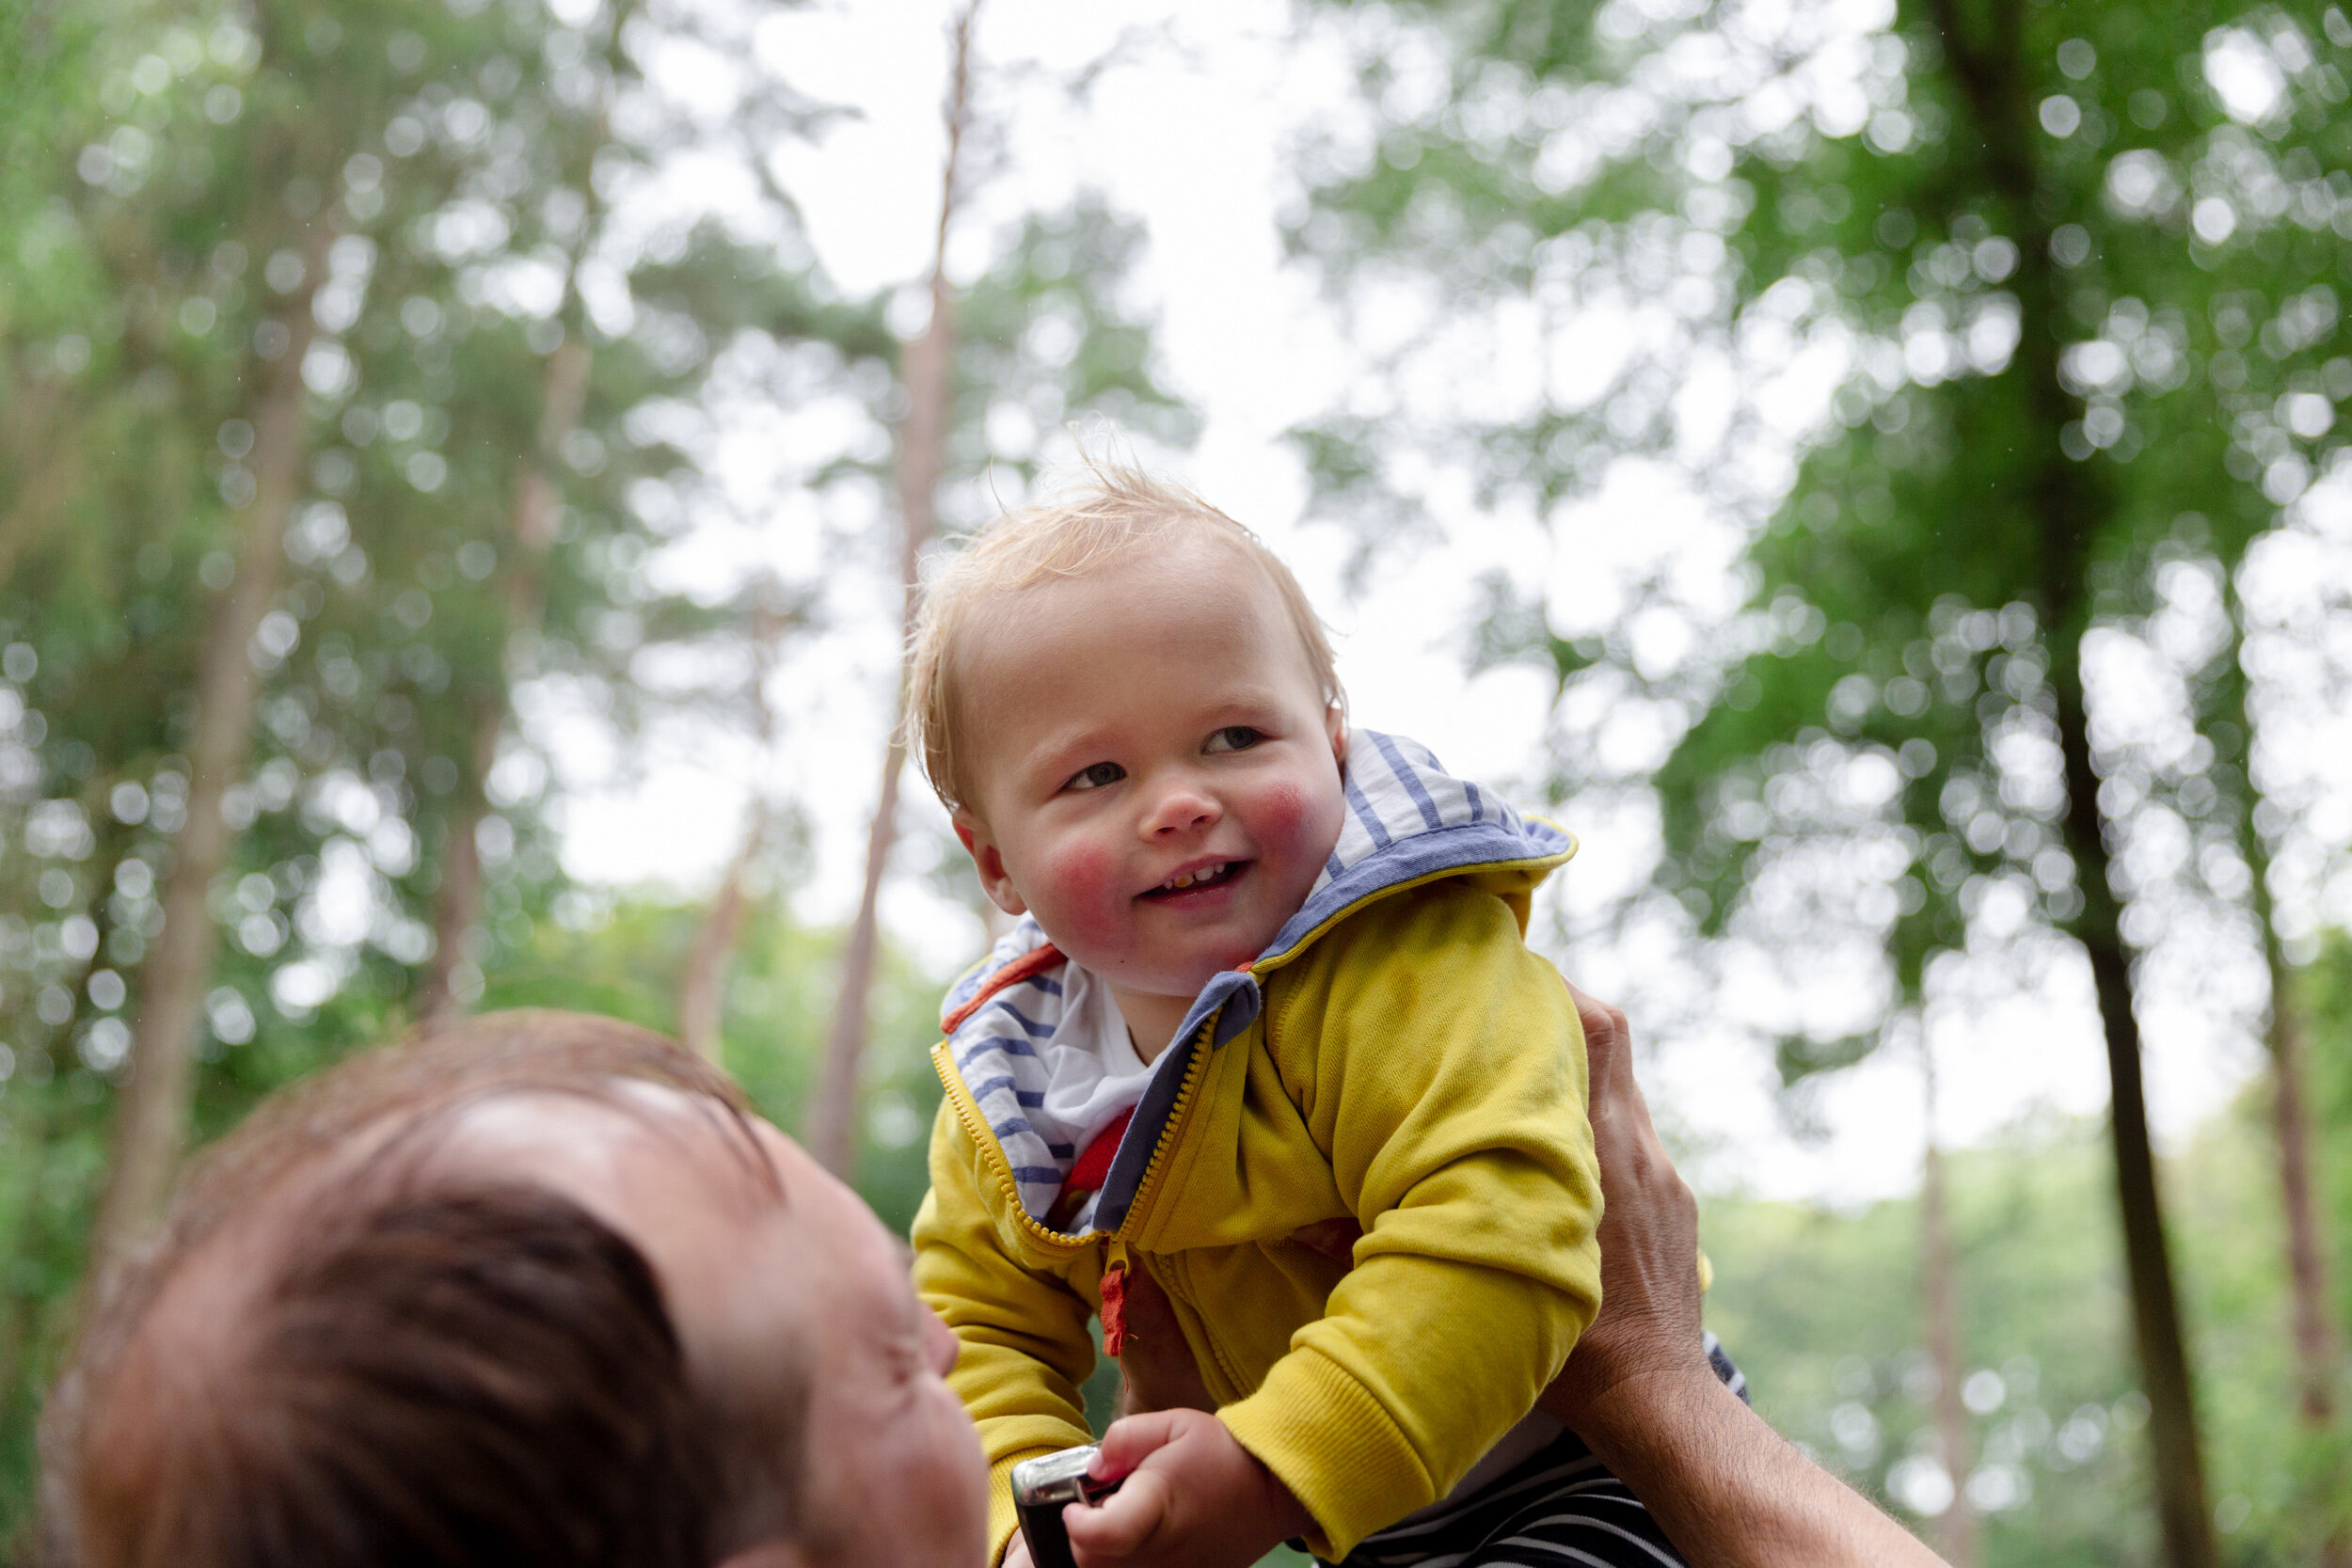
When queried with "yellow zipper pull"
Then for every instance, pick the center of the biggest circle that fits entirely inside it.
(1115, 1299)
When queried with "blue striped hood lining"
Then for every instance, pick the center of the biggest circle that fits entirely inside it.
(1408, 819)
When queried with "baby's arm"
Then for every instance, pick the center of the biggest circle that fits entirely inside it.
(1439, 1064)
(1026, 1347)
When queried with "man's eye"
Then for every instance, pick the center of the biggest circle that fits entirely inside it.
(1234, 738)
(1096, 777)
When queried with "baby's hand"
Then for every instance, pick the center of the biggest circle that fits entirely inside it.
(1193, 1498)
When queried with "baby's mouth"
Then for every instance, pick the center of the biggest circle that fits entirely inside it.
(1196, 881)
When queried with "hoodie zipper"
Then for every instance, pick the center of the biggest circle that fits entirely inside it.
(984, 1138)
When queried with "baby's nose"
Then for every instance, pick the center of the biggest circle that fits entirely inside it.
(1182, 807)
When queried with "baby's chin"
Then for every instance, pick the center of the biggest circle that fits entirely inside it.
(1191, 978)
(1195, 977)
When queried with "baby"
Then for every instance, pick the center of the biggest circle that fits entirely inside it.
(1265, 1053)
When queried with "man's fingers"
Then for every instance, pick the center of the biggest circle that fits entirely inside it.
(1124, 1521)
(1606, 1039)
(1601, 1018)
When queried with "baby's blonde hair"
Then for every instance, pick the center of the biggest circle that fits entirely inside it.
(1109, 514)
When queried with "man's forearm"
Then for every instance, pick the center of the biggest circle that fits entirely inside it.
(1730, 1492)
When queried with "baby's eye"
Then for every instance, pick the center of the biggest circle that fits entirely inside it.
(1096, 777)
(1234, 738)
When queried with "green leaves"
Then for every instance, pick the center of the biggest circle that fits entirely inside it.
(1996, 293)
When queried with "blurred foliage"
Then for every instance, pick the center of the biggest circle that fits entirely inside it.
(2070, 273)
(429, 179)
(1757, 181)
(457, 188)
(1821, 1308)
(624, 962)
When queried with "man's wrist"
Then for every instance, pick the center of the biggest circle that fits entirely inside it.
(1638, 1423)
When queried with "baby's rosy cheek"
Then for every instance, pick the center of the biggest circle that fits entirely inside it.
(1083, 882)
(1288, 814)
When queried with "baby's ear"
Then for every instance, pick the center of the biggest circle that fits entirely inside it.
(987, 862)
(1335, 725)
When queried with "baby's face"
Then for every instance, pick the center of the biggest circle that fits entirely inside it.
(1154, 772)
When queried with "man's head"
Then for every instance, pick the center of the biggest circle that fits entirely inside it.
(535, 1291)
(1132, 712)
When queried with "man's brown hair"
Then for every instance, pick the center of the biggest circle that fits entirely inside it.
(338, 1355)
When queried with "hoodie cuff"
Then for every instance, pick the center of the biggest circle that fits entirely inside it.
(1333, 1444)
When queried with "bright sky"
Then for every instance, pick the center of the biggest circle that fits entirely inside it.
(1189, 138)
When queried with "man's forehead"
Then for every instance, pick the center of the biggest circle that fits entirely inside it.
(531, 1113)
(617, 1129)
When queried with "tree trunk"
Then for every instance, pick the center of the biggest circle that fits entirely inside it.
(2186, 1520)
(45, 448)
(2310, 1313)
(2069, 503)
(30, 1133)
(927, 374)
(831, 1122)
(2068, 500)
(1957, 1528)
(457, 898)
(701, 1002)
(2307, 1263)
(2307, 1260)
(457, 902)
(702, 989)
(152, 1113)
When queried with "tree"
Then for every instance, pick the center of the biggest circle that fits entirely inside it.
(458, 900)
(1045, 335)
(2228, 716)
(148, 1125)
(702, 984)
(1942, 1299)
(926, 371)
(295, 150)
(1937, 203)
(273, 339)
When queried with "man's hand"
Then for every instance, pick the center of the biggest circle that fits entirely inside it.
(1649, 1226)
(1193, 1498)
(1721, 1484)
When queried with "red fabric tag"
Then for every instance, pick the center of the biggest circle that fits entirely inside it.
(1114, 1310)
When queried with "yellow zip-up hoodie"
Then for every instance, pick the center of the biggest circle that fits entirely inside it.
(1397, 1061)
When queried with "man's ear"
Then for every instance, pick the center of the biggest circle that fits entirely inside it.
(991, 865)
(1335, 725)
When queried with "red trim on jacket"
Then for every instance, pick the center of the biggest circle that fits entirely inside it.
(1036, 961)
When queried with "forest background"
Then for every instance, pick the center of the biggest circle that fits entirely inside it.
(1872, 469)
